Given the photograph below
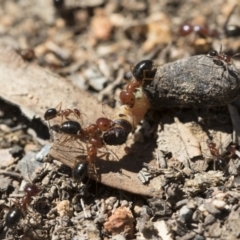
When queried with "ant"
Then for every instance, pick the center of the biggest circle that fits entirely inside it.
(91, 134)
(125, 119)
(118, 135)
(201, 30)
(72, 129)
(80, 170)
(221, 159)
(132, 110)
(15, 214)
(222, 59)
(52, 113)
(218, 158)
(27, 54)
(140, 73)
(231, 30)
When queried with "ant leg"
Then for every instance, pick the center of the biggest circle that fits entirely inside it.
(80, 143)
(67, 138)
(220, 52)
(108, 153)
(131, 68)
(59, 106)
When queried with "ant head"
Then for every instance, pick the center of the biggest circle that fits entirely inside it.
(213, 53)
(31, 189)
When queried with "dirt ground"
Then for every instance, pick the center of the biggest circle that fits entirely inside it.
(177, 175)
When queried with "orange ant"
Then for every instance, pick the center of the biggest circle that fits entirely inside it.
(15, 214)
(140, 73)
(221, 58)
(72, 129)
(201, 30)
(220, 159)
(91, 134)
(52, 113)
(125, 119)
(134, 108)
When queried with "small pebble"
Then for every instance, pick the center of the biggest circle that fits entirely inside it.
(219, 204)
(185, 214)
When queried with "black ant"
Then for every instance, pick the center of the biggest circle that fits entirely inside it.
(218, 158)
(52, 113)
(221, 159)
(231, 30)
(222, 59)
(125, 119)
(15, 214)
(140, 73)
(133, 110)
(90, 135)
(201, 30)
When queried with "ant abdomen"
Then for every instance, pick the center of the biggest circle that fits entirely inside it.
(13, 217)
(70, 127)
(139, 70)
(80, 170)
(50, 114)
(118, 134)
(232, 31)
